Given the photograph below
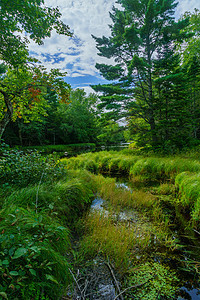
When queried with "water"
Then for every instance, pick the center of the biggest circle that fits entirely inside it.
(190, 288)
(193, 294)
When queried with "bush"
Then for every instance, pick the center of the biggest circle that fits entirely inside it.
(32, 248)
(23, 169)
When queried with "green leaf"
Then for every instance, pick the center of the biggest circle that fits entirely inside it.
(49, 277)
(33, 272)
(3, 295)
(35, 249)
(14, 273)
(50, 206)
(19, 252)
(5, 262)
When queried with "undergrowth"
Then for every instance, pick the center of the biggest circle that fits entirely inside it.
(40, 203)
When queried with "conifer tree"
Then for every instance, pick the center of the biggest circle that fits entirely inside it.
(143, 31)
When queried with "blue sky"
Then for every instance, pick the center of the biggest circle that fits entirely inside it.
(78, 55)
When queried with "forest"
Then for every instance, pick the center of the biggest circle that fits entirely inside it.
(81, 215)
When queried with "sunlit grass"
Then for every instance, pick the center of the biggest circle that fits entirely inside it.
(122, 241)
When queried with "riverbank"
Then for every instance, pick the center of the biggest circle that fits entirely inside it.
(138, 238)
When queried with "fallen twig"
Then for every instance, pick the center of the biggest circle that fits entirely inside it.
(196, 231)
(78, 286)
(130, 287)
(115, 280)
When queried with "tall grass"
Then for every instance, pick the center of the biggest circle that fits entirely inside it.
(188, 185)
(122, 241)
(151, 167)
(146, 169)
(35, 235)
(68, 198)
(108, 190)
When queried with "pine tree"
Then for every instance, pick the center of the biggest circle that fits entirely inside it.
(141, 34)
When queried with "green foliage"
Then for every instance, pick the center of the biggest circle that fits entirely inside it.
(36, 211)
(22, 94)
(22, 169)
(110, 132)
(48, 149)
(147, 84)
(31, 252)
(77, 122)
(19, 18)
(154, 280)
(70, 120)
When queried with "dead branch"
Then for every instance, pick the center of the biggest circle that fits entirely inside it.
(130, 287)
(78, 286)
(196, 231)
(115, 280)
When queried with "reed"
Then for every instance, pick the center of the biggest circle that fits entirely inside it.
(68, 198)
(152, 168)
(122, 241)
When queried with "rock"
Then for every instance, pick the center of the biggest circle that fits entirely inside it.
(106, 292)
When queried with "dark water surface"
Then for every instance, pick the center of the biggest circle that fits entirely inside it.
(190, 252)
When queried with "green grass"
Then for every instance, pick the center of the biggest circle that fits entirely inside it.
(68, 198)
(35, 231)
(147, 169)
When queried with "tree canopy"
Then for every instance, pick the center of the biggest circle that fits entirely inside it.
(143, 38)
(22, 93)
(24, 20)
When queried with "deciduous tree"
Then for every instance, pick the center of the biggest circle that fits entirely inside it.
(22, 93)
(23, 20)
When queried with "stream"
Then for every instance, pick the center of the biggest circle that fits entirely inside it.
(188, 288)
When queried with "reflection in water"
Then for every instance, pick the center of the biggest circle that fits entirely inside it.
(132, 217)
(193, 294)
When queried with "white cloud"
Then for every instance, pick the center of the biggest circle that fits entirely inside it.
(187, 5)
(78, 55)
(85, 17)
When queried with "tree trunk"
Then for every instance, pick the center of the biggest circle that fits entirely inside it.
(20, 133)
(3, 123)
(8, 114)
(150, 96)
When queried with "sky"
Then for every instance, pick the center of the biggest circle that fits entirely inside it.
(78, 55)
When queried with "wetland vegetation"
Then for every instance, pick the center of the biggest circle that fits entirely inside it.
(101, 225)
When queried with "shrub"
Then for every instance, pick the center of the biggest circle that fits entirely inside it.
(32, 249)
(23, 169)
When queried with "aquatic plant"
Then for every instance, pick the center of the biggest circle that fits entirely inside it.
(151, 281)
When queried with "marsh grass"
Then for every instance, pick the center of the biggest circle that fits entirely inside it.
(188, 185)
(152, 168)
(118, 196)
(68, 198)
(163, 171)
(122, 241)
